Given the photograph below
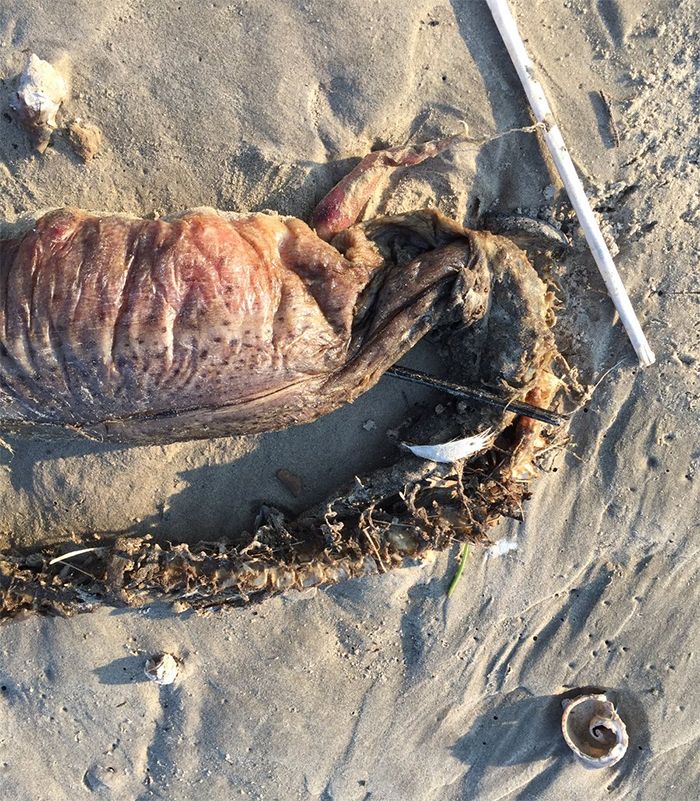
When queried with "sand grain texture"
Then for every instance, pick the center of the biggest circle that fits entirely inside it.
(377, 688)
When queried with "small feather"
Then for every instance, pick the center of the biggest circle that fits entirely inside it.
(502, 547)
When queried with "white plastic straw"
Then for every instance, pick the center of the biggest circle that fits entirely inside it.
(535, 94)
(70, 554)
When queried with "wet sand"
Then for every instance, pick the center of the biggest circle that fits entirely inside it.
(380, 687)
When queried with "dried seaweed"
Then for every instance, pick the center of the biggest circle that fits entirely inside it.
(398, 513)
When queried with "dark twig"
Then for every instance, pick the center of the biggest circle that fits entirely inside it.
(477, 395)
(615, 134)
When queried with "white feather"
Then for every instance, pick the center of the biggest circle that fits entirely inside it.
(454, 451)
(502, 547)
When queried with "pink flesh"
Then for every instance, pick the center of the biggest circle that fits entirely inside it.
(109, 317)
(344, 204)
(203, 325)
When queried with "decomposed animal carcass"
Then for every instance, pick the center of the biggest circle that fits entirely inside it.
(209, 323)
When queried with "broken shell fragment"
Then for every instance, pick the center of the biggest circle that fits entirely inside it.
(85, 138)
(162, 669)
(454, 451)
(594, 731)
(41, 91)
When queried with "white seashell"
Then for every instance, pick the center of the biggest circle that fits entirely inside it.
(162, 669)
(41, 91)
(594, 731)
(454, 451)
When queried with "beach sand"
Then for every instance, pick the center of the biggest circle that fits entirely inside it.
(377, 688)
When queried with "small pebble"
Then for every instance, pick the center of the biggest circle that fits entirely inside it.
(291, 481)
(369, 425)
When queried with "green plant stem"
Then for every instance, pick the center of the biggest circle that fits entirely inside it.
(460, 569)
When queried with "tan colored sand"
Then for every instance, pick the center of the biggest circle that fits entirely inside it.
(379, 688)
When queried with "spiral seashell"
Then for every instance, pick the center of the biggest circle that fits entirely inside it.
(594, 731)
